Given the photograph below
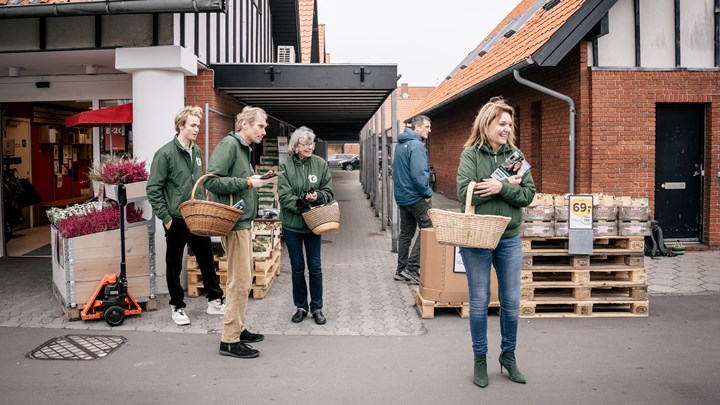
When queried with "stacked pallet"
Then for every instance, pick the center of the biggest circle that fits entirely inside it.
(611, 281)
(266, 256)
(266, 262)
(267, 195)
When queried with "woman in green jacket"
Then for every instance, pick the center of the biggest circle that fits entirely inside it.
(305, 181)
(491, 142)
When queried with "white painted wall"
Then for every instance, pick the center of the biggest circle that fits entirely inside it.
(618, 47)
(696, 33)
(657, 35)
(64, 88)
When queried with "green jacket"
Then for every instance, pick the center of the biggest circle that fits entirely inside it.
(477, 164)
(299, 176)
(231, 160)
(172, 176)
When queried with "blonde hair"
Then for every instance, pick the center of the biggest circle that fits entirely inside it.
(300, 134)
(249, 114)
(182, 116)
(489, 112)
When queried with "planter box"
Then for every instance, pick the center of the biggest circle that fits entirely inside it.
(78, 264)
(133, 190)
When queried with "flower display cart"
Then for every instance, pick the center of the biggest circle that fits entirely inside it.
(79, 263)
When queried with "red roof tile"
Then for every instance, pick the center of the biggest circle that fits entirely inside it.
(306, 14)
(506, 52)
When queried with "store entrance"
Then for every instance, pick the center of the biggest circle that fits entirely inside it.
(42, 156)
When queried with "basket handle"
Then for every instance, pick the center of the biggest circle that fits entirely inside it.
(192, 194)
(468, 198)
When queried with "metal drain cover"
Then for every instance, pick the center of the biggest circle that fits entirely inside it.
(77, 347)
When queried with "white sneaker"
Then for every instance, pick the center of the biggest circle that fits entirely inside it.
(178, 315)
(216, 307)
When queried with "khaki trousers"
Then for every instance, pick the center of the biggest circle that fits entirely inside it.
(238, 247)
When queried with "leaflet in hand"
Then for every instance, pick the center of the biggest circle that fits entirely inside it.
(515, 164)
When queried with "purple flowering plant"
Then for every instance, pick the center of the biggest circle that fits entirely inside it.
(88, 218)
(120, 171)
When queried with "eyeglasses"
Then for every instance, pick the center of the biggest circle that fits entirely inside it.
(307, 145)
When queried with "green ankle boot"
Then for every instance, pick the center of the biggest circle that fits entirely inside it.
(480, 377)
(507, 360)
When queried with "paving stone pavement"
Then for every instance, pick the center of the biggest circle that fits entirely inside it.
(360, 295)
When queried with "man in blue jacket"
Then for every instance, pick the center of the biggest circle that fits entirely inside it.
(411, 184)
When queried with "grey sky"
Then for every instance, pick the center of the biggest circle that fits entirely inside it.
(426, 38)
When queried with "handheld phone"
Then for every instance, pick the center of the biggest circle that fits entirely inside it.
(270, 174)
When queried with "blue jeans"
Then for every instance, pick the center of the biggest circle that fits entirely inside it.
(294, 242)
(507, 258)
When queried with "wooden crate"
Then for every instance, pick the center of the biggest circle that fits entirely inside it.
(78, 264)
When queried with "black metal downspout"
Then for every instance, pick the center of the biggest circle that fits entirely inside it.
(571, 104)
(678, 54)
(636, 8)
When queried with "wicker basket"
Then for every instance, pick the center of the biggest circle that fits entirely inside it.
(324, 218)
(208, 218)
(468, 229)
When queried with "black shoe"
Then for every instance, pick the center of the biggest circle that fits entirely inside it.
(399, 277)
(248, 337)
(300, 314)
(412, 275)
(319, 317)
(239, 349)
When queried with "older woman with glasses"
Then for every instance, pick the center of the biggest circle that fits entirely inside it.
(304, 182)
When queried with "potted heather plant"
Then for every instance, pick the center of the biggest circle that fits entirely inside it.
(91, 217)
(130, 172)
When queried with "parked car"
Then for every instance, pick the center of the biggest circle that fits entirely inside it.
(350, 164)
(333, 160)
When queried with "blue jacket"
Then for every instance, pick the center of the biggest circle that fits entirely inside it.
(411, 169)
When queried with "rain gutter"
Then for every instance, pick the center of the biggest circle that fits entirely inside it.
(571, 104)
(111, 7)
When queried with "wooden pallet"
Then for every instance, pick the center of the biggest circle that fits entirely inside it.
(560, 260)
(426, 308)
(601, 244)
(590, 277)
(265, 277)
(583, 309)
(196, 290)
(260, 291)
(583, 293)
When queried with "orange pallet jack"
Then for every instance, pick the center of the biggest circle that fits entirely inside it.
(111, 299)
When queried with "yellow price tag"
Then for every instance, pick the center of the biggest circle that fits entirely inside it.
(581, 207)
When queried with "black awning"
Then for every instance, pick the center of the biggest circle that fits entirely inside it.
(334, 100)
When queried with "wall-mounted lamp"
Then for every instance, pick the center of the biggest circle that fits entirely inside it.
(14, 71)
(91, 69)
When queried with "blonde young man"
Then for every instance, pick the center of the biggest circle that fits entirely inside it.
(175, 168)
(232, 161)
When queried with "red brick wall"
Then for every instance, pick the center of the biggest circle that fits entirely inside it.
(198, 91)
(614, 129)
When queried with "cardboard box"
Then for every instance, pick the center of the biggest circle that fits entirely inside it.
(442, 274)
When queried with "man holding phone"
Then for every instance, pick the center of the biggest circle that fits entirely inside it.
(232, 161)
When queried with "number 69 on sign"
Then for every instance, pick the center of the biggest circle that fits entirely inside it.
(580, 212)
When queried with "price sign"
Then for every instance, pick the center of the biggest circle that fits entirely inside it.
(580, 212)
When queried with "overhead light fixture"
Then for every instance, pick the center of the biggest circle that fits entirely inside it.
(14, 71)
(91, 69)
